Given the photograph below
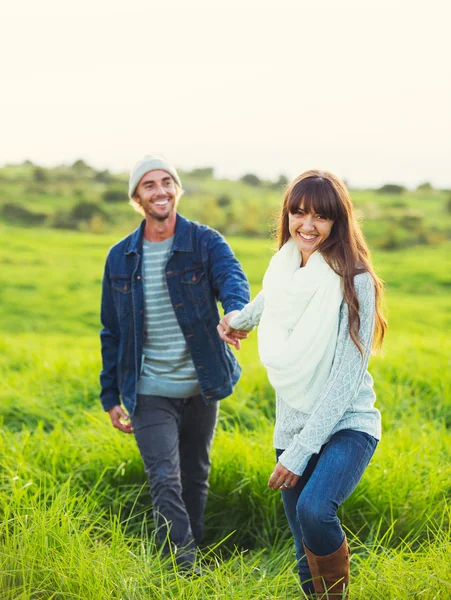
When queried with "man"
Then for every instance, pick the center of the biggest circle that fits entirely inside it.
(162, 355)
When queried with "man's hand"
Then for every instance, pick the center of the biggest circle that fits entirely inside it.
(282, 479)
(120, 419)
(228, 334)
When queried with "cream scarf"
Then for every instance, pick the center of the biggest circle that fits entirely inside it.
(299, 325)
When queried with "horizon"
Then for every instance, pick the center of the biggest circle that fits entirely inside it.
(217, 177)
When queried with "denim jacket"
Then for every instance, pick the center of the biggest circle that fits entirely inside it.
(201, 269)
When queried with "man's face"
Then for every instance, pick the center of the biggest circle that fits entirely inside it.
(156, 193)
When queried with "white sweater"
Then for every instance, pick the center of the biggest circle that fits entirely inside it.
(347, 399)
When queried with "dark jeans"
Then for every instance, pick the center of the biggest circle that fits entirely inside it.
(311, 506)
(174, 436)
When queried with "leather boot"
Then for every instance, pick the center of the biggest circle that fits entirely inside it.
(330, 573)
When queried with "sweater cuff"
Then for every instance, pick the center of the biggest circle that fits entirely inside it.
(295, 460)
(240, 323)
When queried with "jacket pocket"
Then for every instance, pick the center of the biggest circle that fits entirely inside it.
(122, 293)
(193, 281)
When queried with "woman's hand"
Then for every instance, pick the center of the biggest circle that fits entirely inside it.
(229, 334)
(282, 478)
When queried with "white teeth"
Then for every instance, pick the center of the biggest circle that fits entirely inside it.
(307, 237)
(161, 202)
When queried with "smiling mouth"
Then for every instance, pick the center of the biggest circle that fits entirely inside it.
(307, 238)
(161, 202)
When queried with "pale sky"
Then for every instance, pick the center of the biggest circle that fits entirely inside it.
(359, 88)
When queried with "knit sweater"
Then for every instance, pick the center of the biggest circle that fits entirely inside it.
(347, 398)
(167, 368)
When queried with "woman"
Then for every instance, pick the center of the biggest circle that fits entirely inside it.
(319, 316)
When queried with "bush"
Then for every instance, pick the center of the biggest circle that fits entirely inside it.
(62, 220)
(204, 173)
(223, 200)
(81, 165)
(85, 211)
(40, 175)
(391, 240)
(103, 176)
(413, 222)
(251, 179)
(14, 213)
(84, 215)
(391, 188)
(425, 187)
(81, 169)
(114, 194)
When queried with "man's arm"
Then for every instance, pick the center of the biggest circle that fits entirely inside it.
(227, 276)
(109, 340)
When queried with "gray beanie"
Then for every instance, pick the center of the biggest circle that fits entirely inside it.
(150, 163)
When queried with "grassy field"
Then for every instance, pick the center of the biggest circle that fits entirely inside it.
(75, 519)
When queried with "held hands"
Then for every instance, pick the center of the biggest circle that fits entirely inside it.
(120, 419)
(282, 479)
(228, 334)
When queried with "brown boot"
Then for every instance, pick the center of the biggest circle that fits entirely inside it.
(330, 573)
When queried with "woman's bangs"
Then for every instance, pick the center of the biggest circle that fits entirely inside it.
(317, 197)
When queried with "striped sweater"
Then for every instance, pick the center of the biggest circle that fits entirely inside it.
(167, 368)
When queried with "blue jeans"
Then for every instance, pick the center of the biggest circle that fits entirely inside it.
(311, 506)
(174, 437)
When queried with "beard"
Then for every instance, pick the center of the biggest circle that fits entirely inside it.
(157, 216)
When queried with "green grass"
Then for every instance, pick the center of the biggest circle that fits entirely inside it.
(75, 511)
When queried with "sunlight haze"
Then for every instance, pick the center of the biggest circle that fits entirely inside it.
(359, 88)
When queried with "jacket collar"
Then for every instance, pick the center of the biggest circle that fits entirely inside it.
(183, 237)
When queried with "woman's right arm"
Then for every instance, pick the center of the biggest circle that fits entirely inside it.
(249, 317)
(234, 327)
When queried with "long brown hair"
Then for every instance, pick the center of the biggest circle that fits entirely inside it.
(345, 249)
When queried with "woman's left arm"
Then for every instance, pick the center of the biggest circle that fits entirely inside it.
(343, 384)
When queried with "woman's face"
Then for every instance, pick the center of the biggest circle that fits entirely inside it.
(308, 231)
